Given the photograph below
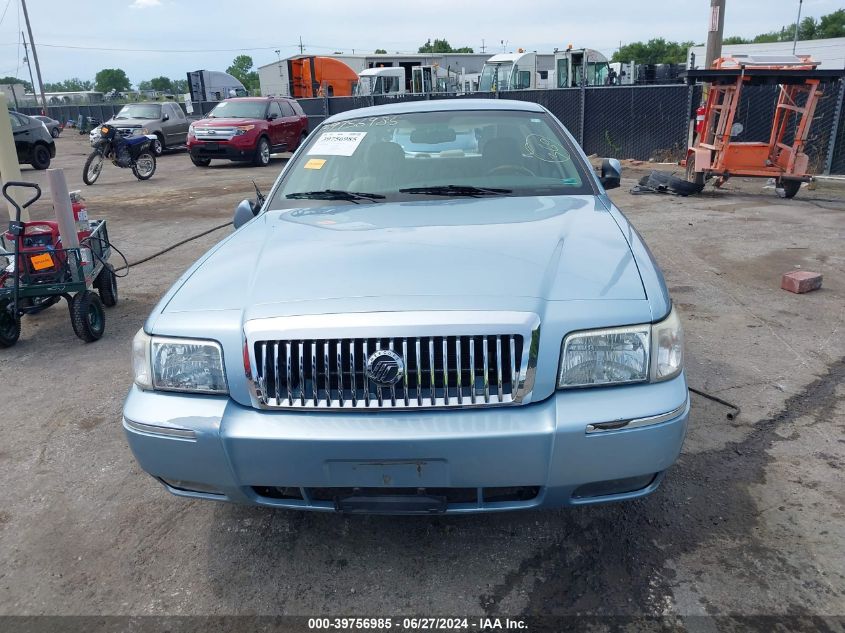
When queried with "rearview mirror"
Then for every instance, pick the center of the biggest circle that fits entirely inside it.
(165, 117)
(433, 136)
(244, 212)
(272, 116)
(611, 173)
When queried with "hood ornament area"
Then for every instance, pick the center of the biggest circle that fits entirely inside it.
(385, 367)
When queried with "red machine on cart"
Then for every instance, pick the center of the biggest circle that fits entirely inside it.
(714, 153)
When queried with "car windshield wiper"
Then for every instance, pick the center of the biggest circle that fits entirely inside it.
(456, 190)
(334, 194)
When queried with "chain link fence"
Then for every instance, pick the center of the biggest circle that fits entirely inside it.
(642, 122)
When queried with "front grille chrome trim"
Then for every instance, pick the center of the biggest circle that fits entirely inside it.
(456, 361)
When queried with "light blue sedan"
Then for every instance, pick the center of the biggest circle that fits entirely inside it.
(468, 329)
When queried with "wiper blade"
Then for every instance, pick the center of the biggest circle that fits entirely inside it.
(334, 194)
(456, 190)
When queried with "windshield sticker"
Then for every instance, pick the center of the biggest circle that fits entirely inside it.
(337, 143)
(545, 149)
(315, 163)
(373, 121)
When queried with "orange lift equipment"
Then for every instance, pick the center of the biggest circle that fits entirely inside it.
(713, 153)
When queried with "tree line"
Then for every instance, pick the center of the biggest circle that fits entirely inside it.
(661, 51)
(116, 80)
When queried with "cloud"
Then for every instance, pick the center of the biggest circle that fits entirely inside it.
(145, 4)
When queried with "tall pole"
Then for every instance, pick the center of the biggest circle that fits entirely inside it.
(797, 24)
(35, 59)
(714, 32)
(28, 65)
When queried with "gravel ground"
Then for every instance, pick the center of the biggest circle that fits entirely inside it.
(749, 522)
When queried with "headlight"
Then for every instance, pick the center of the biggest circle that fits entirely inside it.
(605, 357)
(172, 364)
(667, 348)
(243, 129)
(616, 356)
(143, 131)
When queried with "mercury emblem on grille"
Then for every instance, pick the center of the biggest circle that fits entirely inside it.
(385, 367)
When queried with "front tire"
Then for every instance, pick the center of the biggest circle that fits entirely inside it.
(106, 285)
(10, 327)
(262, 152)
(201, 162)
(40, 157)
(158, 145)
(145, 165)
(87, 316)
(54, 132)
(93, 167)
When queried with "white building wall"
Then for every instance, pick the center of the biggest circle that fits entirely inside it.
(829, 52)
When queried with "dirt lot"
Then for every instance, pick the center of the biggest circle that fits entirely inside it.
(750, 521)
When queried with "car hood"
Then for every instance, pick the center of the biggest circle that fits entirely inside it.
(131, 122)
(225, 122)
(551, 248)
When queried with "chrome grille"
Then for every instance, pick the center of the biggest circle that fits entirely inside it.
(440, 371)
(214, 133)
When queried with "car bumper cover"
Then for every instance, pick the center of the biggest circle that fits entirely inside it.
(575, 447)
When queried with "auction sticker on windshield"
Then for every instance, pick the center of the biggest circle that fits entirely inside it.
(337, 143)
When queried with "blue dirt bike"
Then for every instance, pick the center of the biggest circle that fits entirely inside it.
(134, 151)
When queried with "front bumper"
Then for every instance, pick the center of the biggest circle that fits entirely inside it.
(474, 460)
(226, 149)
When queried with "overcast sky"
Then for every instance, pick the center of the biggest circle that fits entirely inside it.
(258, 27)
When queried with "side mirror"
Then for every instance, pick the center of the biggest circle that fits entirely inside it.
(272, 116)
(244, 212)
(611, 173)
(165, 117)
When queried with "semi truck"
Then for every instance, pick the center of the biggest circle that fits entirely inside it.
(214, 85)
(577, 66)
(310, 76)
(517, 71)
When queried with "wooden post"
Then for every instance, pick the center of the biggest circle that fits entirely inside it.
(9, 168)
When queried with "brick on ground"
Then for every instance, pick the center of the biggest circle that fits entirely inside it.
(801, 281)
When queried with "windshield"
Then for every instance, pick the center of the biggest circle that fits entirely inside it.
(140, 111)
(238, 110)
(422, 155)
(499, 72)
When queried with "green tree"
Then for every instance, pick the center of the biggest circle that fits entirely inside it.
(14, 80)
(442, 46)
(112, 79)
(380, 51)
(241, 69)
(831, 25)
(180, 86)
(161, 84)
(655, 51)
(69, 85)
(145, 85)
(736, 39)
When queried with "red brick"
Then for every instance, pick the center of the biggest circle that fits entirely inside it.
(801, 281)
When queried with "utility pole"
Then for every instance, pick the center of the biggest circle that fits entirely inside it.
(714, 32)
(301, 48)
(797, 24)
(28, 65)
(483, 47)
(35, 59)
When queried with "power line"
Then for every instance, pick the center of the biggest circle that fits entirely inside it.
(170, 50)
(8, 2)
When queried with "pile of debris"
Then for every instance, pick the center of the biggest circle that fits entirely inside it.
(661, 182)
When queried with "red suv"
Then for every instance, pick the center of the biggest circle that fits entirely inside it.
(247, 129)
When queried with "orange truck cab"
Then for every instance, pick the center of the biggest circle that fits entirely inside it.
(311, 76)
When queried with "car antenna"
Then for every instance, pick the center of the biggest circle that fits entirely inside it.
(259, 197)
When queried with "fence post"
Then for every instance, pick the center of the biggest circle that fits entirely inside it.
(583, 112)
(834, 129)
